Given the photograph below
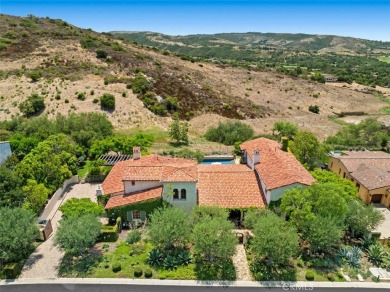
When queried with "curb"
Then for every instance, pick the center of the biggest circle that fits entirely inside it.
(265, 284)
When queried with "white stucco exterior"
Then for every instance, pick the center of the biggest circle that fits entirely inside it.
(186, 204)
(140, 185)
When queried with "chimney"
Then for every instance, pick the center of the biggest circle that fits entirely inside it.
(256, 157)
(136, 153)
(284, 141)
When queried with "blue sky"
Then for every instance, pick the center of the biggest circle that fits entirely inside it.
(356, 18)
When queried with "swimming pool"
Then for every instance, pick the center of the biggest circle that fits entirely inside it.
(217, 161)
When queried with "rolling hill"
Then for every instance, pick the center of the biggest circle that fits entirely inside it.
(59, 61)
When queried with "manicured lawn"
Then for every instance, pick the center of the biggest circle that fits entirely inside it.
(82, 172)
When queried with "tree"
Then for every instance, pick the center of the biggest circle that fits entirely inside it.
(32, 105)
(169, 227)
(229, 133)
(79, 207)
(178, 131)
(362, 219)
(51, 162)
(252, 216)
(19, 230)
(275, 240)
(11, 194)
(36, 195)
(22, 145)
(323, 233)
(107, 101)
(349, 189)
(214, 240)
(285, 129)
(199, 213)
(76, 233)
(306, 149)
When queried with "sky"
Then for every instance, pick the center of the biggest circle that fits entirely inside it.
(355, 18)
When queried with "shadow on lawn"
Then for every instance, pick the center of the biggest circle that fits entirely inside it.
(80, 266)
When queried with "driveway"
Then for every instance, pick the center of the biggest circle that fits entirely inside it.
(45, 261)
(384, 228)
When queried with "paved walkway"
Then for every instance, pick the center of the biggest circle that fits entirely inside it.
(45, 261)
(241, 265)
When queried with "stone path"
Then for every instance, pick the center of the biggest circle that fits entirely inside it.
(241, 264)
(45, 261)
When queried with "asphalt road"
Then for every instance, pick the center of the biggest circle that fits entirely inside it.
(152, 288)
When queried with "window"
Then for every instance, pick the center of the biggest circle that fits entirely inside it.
(344, 175)
(133, 183)
(175, 194)
(339, 170)
(331, 165)
(358, 186)
(136, 215)
(183, 194)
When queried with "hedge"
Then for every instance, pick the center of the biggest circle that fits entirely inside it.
(11, 270)
(148, 206)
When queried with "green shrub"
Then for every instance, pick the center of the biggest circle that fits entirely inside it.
(314, 109)
(148, 273)
(92, 92)
(108, 233)
(101, 54)
(95, 100)
(58, 97)
(140, 84)
(11, 270)
(375, 253)
(229, 133)
(32, 105)
(66, 100)
(81, 96)
(34, 75)
(156, 257)
(330, 277)
(310, 275)
(107, 101)
(116, 267)
(138, 272)
(133, 237)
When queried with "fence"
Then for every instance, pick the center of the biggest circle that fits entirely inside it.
(57, 197)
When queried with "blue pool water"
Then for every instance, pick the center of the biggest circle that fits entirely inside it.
(217, 161)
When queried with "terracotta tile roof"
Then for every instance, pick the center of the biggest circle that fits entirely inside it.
(140, 196)
(371, 177)
(373, 159)
(228, 186)
(150, 168)
(277, 168)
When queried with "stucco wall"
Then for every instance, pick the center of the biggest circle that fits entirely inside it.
(336, 166)
(276, 194)
(140, 185)
(191, 198)
(5, 151)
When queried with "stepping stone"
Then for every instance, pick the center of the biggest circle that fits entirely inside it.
(360, 278)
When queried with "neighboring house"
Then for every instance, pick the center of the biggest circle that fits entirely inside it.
(277, 170)
(330, 78)
(5, 151)
(368, 170)
(133, 184)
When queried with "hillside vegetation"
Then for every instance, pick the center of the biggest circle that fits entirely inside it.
(74, 70)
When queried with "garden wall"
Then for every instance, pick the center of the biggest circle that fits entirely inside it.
(57, 197)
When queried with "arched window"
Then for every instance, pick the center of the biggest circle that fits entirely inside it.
(183, 194)
(175, 194)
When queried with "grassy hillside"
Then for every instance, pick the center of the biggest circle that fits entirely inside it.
(349, 59)
(71, 68)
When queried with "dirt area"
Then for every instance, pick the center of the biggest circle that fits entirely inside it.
(279, 97)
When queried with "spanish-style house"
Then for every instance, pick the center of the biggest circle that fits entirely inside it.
(368, 170)
(134, 187)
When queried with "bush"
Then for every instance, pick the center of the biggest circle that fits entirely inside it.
(101, 54)
(108, 233)
(148, 273)
(116, 267)
(32, 105)
(229, 133)
(137, 272)
(330, 277)
(11, 270)
(34, 75)
(310, 275)
(95, 100)
(314, 109)
(107, 101)
(81, 96)
(133, 237)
